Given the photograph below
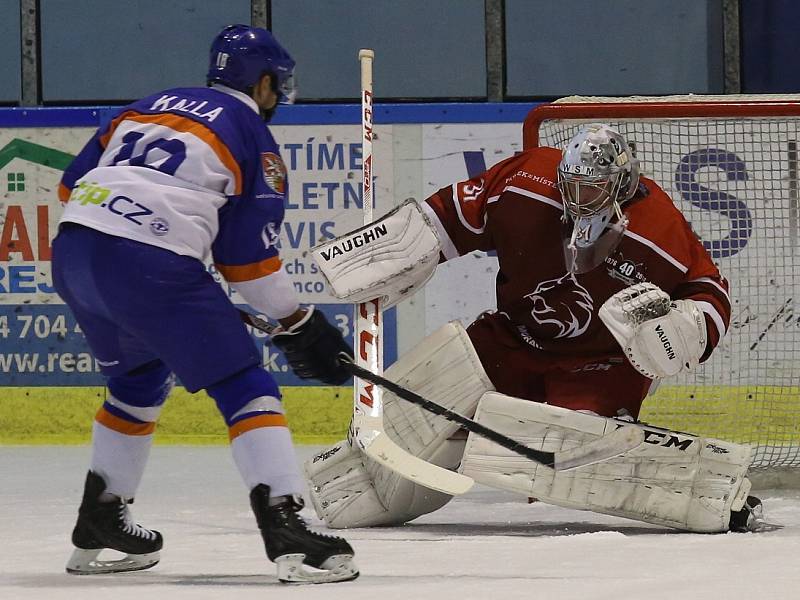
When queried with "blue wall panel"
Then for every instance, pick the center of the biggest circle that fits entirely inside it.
(770, 46)
(613, 48)
(423, 48)
(123, 49)
(10, 66)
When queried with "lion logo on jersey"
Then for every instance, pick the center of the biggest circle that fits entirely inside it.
(562, 303)
(274, 171)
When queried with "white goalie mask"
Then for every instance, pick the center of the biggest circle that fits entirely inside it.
(597, 174)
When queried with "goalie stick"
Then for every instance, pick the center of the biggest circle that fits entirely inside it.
(620, 441)
(366, 426)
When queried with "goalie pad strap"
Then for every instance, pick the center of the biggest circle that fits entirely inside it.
(348, 489)
(673, 479)
(389, 259)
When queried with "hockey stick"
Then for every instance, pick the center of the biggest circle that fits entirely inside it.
(623, 439)
(610, 445)
(366, 426)
(367, 431)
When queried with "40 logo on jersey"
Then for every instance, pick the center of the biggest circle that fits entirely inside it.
(628, 271)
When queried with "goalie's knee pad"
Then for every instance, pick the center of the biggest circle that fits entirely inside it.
(348, 489)
(673, 479)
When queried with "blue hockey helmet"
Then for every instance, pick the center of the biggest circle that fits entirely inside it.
(241, 55)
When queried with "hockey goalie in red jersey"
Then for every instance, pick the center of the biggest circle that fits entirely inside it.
(560, 260)
(602, 290)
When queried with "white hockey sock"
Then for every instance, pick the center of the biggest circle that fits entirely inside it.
(266, 455)
(119, 459)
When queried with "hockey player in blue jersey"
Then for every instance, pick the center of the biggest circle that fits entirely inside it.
(175, 179)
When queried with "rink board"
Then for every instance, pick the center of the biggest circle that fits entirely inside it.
(64, 415)
(320, 415)
(418, 149)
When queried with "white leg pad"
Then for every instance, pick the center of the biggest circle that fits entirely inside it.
(348, 489)
(345, 494)
(673, 479)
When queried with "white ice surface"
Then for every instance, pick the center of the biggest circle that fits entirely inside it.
(485, 545)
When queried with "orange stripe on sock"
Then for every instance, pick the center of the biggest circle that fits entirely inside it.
(121, 425)
(245, 425)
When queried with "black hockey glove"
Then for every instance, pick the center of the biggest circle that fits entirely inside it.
(312, 346)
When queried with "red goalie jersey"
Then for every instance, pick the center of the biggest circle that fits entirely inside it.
(546, 342)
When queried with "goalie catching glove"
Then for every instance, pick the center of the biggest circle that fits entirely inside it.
(312, 346)
(659, 336)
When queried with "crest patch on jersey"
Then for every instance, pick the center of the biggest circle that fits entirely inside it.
(274, 171)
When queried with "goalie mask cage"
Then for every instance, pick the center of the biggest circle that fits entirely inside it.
(730, 164)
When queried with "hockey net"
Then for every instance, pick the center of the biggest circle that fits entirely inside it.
(730, 163)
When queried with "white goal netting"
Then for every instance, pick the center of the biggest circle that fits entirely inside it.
(730, 163)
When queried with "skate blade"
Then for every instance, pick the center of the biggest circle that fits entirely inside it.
(292, 569)
(85, 562)
(763, 527)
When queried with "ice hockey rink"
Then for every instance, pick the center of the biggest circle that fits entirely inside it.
(484, 545)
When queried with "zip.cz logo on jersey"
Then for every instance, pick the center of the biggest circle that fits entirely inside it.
(90, 193)
(357, 241)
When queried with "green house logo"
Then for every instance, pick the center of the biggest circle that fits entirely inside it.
(16, 182)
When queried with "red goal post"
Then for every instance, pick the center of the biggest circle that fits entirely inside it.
(730, 163)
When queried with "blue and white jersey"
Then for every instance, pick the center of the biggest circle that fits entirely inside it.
(191, 170)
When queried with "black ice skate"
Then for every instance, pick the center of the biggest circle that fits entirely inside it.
(751, 518)
(301, 556)
(109, 525)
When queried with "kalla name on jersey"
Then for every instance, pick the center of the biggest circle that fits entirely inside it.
(195, 107)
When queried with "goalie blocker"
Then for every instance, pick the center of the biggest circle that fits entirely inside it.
(673, 479)
(388, 259)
